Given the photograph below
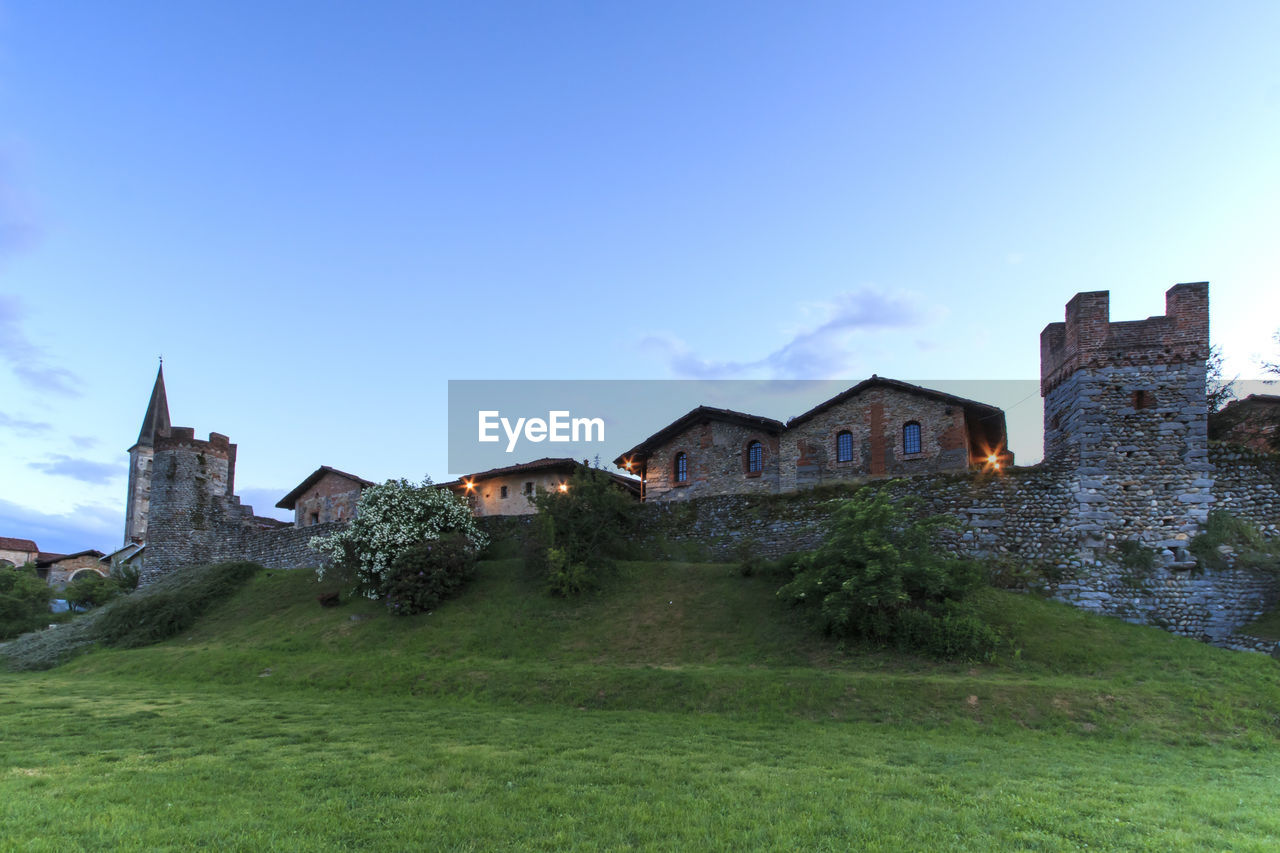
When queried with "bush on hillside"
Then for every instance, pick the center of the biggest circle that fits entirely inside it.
(91, 589)
(580, 531)
(170, 606)
(425, 574)
(1229, 540)
(389, 519)
(879, 578)
(24, 601)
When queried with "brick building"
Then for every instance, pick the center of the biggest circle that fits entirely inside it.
(1253, 422)
(509, 490)
(879, 427)
(61, 569)
(326, 495)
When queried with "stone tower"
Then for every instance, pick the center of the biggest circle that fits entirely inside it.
(192, 485)
(141, 457)
(1125, 418)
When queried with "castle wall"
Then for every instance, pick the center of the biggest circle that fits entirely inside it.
(138, 504)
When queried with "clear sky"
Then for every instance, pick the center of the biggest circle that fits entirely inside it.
(319, 213)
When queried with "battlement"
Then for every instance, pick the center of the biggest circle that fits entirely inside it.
(1088, 338)
(184, 438)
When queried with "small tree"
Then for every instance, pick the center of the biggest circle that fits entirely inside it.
(581, 529)
(24, 601)
(878, 577)
(1218, 391)
(390, 518)
(90, 589)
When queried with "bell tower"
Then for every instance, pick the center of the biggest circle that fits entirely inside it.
(141, 456)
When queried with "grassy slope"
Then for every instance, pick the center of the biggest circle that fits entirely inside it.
(701, 638)
(681, 708)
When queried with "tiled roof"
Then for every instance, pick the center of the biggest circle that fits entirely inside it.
(9, 544)
(291, 499)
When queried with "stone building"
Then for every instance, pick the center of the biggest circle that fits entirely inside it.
(327, 495)
(708, 451)
(61, 569)
(509, 490)
(1253, 422)
(883, 427)
(879, 427)
(17, 552)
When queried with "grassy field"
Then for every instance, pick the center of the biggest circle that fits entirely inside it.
(680, 708)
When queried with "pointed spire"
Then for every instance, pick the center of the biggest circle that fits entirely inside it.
(157, 417)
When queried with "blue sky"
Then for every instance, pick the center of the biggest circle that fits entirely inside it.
(321, 213)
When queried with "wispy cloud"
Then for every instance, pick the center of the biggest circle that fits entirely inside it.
(84, 470)
(28, 361)
(84, 442)
(84, 526)
(23, 427)
(823, 350)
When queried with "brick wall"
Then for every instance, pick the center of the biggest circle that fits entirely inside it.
(717, 463)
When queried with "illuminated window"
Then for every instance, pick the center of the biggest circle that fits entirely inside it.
(755, 457)
(681, 467)
(844, 446)
(911, 438)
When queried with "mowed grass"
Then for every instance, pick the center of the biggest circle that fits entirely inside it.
(682, 707)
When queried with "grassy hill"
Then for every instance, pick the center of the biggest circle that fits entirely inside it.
(680, 707)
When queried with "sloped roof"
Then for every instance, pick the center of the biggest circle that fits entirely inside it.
(46, 560)
(157, 416)
(548, 463)
(10, 544)
(973, 406)
(699, 415)
(290, 500)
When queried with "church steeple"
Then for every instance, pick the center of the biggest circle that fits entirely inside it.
(157, 417)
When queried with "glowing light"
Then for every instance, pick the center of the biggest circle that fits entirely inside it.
(994, 460)
(564, 487)
(470, 485)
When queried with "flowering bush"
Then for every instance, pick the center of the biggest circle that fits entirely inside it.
(390, 518)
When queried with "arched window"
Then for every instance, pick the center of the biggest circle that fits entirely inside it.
(755, 457)
(681, 467)
(844, 446)
(911, 438)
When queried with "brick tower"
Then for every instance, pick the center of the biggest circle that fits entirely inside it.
(141, 455)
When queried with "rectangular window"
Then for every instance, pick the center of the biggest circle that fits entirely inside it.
(528, 488)
(503, 491)
(911, 438)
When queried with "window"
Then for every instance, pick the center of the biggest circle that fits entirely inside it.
(755, 457)
(528, 488)
(503, 492)
(844, 446)
(1144, 400)
(315, 518)
(911, 438)
(681, 467)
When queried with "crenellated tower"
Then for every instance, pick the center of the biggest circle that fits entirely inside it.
(1125, 418)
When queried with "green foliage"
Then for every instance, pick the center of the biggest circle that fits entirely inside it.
(580, 531)
(90, 589)
(1135, 556)
(425, 574)
(389, 519)
(879, 578)
(125, 576)
(1228, 540)
(24, 601)
(170, 606)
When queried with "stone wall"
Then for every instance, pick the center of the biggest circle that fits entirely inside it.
(717, 462)
(333, 498)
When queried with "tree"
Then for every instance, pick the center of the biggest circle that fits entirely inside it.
(389, 519)
(878, 577)
(581, 529)
(1218, 391)
(24, 601)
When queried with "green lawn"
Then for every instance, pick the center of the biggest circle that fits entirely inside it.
(681, 708)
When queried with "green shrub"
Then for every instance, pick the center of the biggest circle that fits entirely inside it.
(1247, 545)
(879, 578)
(427, 573)
(170, 606)
(24, 601)
(580, 531)
(90, 589)
(1136, 556)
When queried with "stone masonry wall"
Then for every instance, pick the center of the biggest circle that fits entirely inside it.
(717, 454)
